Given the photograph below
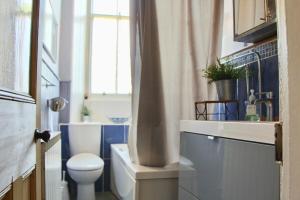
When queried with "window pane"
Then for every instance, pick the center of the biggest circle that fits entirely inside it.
(124, 74)
(103, 74)
(123, 7)
(105, 7)
(15, 38)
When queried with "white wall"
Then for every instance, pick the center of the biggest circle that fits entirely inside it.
(73, 52)
(66, 40)
(79, 59)
(50, 72)
(228, 44)
(109, 106)
(56, 5)
(56, 8)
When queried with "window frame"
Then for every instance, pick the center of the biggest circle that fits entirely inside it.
(90, 20)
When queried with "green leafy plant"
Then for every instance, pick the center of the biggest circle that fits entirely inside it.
(85, 111)
(223, 71)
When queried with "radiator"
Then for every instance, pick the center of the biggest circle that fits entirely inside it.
(53, 172)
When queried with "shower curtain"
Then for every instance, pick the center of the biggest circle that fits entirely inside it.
(171, 42)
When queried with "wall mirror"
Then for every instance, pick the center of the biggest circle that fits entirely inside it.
(254, 20)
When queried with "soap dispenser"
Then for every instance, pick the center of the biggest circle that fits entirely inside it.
(252, 97)
(251, 108)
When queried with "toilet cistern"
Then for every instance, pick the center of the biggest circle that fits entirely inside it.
(85, 166)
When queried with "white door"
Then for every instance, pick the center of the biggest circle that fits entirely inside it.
(18, 92)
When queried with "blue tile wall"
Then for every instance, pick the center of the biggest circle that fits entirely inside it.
(110, 134)
(265, 50)
(270, 76)
(65, 146)
(270, 82)
(106, 175)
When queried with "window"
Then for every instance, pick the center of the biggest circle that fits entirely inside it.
(110, 51)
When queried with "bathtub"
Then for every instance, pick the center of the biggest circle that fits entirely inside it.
(135, 182)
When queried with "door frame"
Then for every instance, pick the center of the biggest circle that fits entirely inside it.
(35, 88)
(288, 16)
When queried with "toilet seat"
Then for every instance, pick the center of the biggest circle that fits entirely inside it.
(85, 162)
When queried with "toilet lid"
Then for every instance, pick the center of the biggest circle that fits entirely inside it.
(85, 162)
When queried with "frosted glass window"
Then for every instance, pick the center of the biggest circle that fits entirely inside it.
(124, 72)
(105, 7)
(103, 72)
(123, 7)
(15, 40)
(110, 51)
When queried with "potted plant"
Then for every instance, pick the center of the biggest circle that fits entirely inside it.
(85, 112)
(224, 75)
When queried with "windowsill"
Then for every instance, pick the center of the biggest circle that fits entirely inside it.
(109, 97)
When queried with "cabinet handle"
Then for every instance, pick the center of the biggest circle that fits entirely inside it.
(278, 143)
(263, 19)
(211, 137)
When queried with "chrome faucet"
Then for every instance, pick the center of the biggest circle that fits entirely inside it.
(268, 102)
(259, 73)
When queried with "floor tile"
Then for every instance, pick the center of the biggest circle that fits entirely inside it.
(105, 196)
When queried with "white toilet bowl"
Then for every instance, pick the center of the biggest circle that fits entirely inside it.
(85, 169)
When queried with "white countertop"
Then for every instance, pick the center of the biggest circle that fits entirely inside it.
(262, 132)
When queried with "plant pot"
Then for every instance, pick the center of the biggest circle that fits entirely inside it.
(226, 89)
(86, 118)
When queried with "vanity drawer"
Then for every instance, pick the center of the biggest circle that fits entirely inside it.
(226, 169)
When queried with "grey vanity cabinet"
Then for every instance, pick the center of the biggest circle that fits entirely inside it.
(226, 169)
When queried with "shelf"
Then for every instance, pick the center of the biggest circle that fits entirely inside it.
(204, 112)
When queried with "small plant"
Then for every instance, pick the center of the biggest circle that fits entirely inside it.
(85, 111)
(222, 71)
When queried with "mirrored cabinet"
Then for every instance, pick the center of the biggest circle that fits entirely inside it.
(254, 20)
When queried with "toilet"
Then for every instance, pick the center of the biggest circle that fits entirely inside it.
(85, 165)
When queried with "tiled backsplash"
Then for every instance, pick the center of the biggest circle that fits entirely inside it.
(270, 78)
(110, 134)
(265, 50)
